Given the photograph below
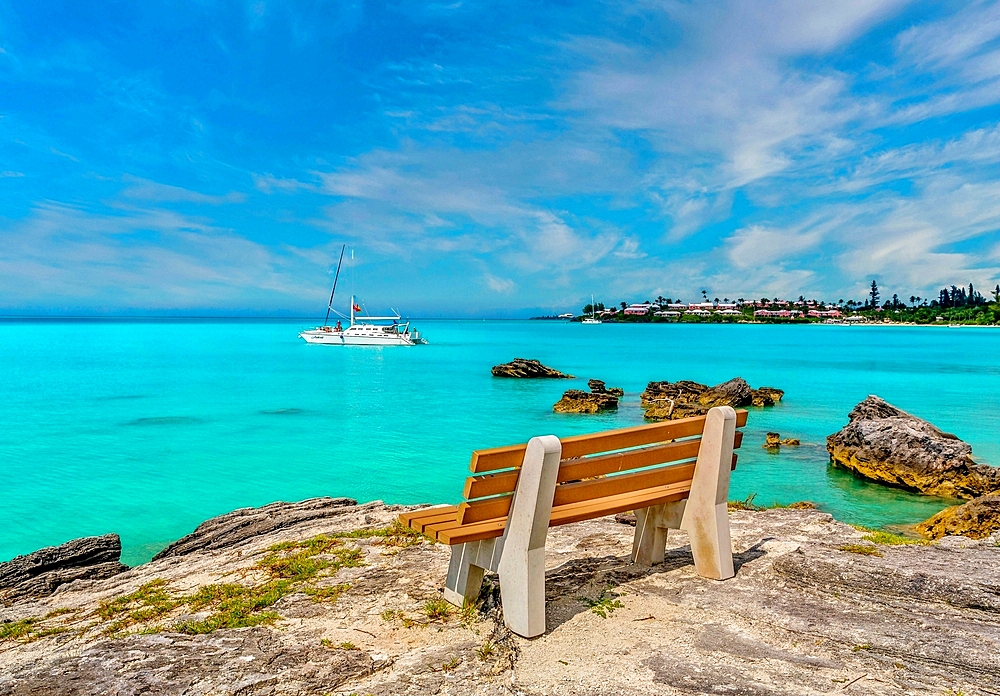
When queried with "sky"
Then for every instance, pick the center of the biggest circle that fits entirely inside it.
(492, 159)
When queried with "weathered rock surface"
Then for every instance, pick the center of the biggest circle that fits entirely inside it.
(527, 369)
(246, 523)
(41, 573)
(802, 617)
(766, 396)
(598, 387)
(888, 445)
(672, 400)
(976, 519)
(577, 401)
(774, 441)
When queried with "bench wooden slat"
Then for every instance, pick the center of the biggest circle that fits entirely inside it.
(484, 509)
(582, 445)
(406, 517)
(566, 514)
(608, 486)
(422, 523)
(590, 509)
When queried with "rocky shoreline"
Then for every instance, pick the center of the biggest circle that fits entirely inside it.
(815, 608)
(887, 445)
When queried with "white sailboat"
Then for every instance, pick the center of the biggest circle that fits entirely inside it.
(363, 330)
(592, 319)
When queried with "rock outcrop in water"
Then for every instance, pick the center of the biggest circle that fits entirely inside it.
(672, 400)
(976, 519)
(41, 573)
(773, 442)
(805, 615)
(598, 387)
(888, 445)
(527, 369)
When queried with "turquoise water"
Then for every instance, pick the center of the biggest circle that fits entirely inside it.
(148, 428)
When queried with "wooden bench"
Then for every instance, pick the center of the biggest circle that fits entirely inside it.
(674, 475)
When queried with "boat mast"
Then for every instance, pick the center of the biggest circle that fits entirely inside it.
(329, 305)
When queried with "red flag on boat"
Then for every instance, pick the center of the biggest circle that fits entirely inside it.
(357, 308)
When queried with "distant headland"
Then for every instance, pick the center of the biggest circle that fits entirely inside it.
(955, 305)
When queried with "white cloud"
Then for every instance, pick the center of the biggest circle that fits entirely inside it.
(143, 257)
(146, 190)
(503, 285)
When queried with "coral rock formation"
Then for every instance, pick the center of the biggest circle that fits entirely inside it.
(888, 445)
(527, 369)
(672, 400)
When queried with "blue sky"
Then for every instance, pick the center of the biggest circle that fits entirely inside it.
(492, 159)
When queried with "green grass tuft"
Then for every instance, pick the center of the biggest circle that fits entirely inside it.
(327, 594)
(16, 630)
(604, 606)
(746, 504)
(861, 549)
(395, 534)
(150, 601)
(485, 650)
(878, 536)
(437, 609)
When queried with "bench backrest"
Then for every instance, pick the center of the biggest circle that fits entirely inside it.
(593, 466)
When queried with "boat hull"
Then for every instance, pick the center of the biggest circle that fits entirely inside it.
(335, 338)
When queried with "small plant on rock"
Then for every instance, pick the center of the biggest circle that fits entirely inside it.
(745, 504)
(486, 650)
(437, 609)
(604, 605)
(861, 549)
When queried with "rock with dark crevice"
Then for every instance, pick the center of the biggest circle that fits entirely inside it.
(888, 445)
(683, 399)
(577, 401)
(239, 525)
(522, 368)
(598, 386)
(41, 573)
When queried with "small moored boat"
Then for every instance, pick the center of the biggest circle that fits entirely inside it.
(365, 331)
(362, 331)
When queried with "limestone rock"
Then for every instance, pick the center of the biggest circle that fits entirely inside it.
(735, 392)
(39, 574)
(774, 442)
(976, 519)
(598, 387)
(766, 396)
(888, 445)
(236, 526)
(672, 400)
(527, 369)
(577, 401)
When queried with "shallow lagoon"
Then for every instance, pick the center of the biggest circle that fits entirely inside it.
(149, 428)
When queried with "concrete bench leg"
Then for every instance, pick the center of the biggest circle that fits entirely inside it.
(522, 563)
(464, 579)
(651, 525)
(706, 517)
(469, 562)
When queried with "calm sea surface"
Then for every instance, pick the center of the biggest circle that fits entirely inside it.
(148, 428)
